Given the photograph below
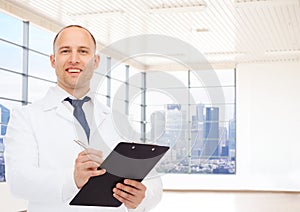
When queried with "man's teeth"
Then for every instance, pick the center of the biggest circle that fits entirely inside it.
(74, 70)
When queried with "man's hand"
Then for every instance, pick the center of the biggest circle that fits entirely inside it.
(131, 193)
(86, 165)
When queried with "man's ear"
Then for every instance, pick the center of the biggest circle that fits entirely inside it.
(52, 60)
(96, 61)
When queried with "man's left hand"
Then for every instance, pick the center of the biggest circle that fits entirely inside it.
(131, 193)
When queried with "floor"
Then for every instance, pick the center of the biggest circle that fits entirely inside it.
(229, 201)
(198, 201)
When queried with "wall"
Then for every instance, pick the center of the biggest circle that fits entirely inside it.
(268, 126)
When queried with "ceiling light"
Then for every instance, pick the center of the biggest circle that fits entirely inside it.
(235, 53)
(282, 51)
(97, 14)
(177, 9)
(199, 30)
(265, 2)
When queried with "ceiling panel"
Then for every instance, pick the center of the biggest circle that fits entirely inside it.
(225, 32)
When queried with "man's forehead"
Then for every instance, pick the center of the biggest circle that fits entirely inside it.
(75, 33)
(74, 41)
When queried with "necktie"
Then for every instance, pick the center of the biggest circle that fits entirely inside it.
(79, 113)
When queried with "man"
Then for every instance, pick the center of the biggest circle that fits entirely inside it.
(44, 164)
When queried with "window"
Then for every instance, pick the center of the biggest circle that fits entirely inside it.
(10, 85)
(191, 111)
(13, 29)
(40, 39)
(6, 62)
(39, 66)
(196, 117)
(17, 85)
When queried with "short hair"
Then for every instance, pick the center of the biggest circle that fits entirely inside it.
(69, 26)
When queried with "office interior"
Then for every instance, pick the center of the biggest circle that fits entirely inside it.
(248, 49)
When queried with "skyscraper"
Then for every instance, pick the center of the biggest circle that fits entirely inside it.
(199, 112)
(4, 114)
(176, 126)
(223, 142)
(211, 133)
(4, 118)
(168, 128)
(232, 138)
(157, 125)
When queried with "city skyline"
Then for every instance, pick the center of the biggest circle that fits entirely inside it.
(4, 117)
(208, 148)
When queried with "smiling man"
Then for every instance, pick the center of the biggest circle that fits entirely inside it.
(74, 60)
(43, 163)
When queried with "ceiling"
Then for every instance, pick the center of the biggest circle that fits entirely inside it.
(166, 34)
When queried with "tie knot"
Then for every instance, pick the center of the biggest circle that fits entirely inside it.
(78, 102)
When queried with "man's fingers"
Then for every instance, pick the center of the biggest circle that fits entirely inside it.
(131, 193)
(97, 172)
(135, 184)
(125, 200)
(90, 155)
(86, 166)
(91, 151)
(81, 179)
(90, 165)
(128, 189)
(86, 158)
(121, 194)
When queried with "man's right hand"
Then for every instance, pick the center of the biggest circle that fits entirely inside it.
(86, 166)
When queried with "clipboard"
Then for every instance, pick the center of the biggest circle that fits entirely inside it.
(127, 161)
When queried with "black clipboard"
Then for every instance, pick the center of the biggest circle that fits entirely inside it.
(126, 161)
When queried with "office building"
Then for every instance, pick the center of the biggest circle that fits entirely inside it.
(4, 117)
(211, 133)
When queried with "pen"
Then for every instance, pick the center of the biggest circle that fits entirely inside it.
(83, 145)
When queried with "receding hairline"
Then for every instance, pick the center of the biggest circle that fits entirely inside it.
(70, 26)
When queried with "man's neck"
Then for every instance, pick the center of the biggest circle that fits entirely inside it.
(77, 93)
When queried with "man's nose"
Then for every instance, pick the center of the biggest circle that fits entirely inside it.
(74, 57)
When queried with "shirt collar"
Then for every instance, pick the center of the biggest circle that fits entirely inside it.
(56, 95)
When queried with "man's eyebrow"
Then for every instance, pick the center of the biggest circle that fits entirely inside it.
(64, 47)
(79, 47)
(84, 47)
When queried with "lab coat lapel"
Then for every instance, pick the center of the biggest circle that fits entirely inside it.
(53, 101)
(100, 114)
(63, 112)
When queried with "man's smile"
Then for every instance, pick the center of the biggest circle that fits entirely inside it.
(73, 70)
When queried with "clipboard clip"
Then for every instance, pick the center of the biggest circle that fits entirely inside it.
(133, 147)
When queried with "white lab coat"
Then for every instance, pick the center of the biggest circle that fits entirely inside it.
(40, 155)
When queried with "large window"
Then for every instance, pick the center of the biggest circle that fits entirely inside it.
(181, 109)
(193, 112)
(195, 117)
(24, 68)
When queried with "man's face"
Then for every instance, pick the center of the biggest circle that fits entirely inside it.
(74, 60)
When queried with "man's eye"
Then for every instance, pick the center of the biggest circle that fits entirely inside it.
(83, 51)
(64, 51)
